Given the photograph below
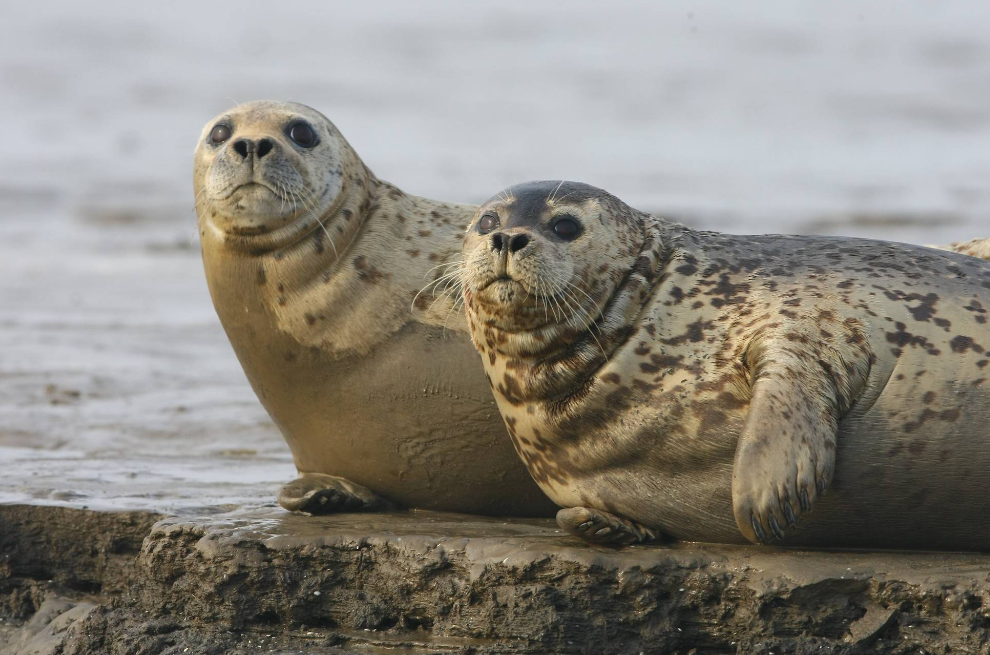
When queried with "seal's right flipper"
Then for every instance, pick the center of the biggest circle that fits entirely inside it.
(600, 527)
(317, 493)
(785, 456)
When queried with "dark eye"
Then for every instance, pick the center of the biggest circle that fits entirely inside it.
(566, 228)
(302, 134)
(487, 223)
(220, 134)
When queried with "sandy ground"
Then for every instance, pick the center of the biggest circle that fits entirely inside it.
(117, 387)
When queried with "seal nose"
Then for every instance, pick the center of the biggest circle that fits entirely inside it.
(514, 243)
(259, 149)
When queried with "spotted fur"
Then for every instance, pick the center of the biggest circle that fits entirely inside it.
(713, 387)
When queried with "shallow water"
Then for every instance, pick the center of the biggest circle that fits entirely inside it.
(117, 386)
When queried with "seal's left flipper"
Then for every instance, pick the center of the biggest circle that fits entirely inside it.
(786, 452)
(600, 527)
(318, 493)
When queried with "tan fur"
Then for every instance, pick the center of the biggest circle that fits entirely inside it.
(713, 387)
(331, 286)
(974, 248)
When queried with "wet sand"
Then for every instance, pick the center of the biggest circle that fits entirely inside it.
(421, 582)
(118, 390)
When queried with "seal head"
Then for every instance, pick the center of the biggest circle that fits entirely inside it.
(522, 278)
(271, 173)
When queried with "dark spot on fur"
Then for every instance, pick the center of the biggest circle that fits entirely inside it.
(961, 344)
(903, 338)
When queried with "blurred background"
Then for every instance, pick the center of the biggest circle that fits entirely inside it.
(859, 118)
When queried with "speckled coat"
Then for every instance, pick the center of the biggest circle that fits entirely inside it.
(744, 376)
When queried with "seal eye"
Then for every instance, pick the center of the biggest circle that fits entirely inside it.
(302, 134)
(220, 134)
(487, 223)
(566, 228)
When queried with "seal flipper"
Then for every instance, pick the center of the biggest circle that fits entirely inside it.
(786, 451)
(318, 493)
(600, 527)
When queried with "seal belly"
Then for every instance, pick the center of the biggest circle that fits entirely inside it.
(416, 424)
(913, 466)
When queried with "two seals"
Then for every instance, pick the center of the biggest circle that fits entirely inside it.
(315, 268)
(710, 387)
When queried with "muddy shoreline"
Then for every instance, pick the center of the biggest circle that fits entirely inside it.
(85, 582)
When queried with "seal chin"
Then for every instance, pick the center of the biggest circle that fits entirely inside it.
(254, 208)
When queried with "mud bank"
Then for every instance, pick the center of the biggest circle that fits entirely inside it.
(77, 581)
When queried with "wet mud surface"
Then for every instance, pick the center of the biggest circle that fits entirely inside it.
(137, 469)
(77, 581)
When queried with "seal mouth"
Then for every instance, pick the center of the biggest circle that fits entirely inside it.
(504, 279)
(253, 186)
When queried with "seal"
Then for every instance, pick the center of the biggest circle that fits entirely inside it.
(660, 381)
(317, 271)
(974, 248)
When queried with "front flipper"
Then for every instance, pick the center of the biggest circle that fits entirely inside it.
(318, 493)
(785, 456)
(600, 527)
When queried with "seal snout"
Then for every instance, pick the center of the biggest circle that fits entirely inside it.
(251, 148)
(513, 243)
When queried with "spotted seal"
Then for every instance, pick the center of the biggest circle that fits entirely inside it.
(663, 381)
(316, 268)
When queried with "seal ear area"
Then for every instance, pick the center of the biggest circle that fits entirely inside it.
(785, 455)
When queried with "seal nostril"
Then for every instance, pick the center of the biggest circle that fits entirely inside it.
(498, 241)
(518, 242)
(242, 147)
(264, 147)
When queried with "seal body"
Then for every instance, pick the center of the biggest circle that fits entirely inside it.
(714, 387)
(317, 272)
